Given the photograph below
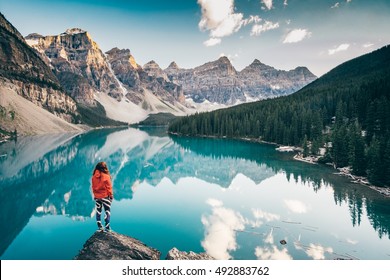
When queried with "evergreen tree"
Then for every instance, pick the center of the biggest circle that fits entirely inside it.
(359, 158)
(374, 163)
(386, 164)
(305, 145)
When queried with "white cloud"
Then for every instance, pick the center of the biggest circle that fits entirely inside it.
(272, 253)
(285, 3)
(260, 214)
(296, 206)
(212, 42)
(296, 35)
(255, 19)
(214, 202)
(257, 29)
(335, 5)
(315, 251)
(219, 18)
(270, 237)
(342, 47)
(349, 1)
(220, 230)
(368, 45)
(267, 3)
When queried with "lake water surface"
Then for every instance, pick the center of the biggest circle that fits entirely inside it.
(232, 199)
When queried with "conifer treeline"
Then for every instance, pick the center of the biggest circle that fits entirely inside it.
(349, 107)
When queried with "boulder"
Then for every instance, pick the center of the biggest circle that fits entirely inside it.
(115, 246)
(175, 254)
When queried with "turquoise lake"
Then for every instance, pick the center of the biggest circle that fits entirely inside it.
(232, 199)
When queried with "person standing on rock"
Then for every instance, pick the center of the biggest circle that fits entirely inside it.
(102, 194)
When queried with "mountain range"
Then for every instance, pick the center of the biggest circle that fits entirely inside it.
(70, 76)
(219, 82)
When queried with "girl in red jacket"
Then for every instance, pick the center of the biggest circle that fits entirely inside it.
(102, 193)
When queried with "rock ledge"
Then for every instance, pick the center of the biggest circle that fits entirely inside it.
(116, 246)
(175, 254)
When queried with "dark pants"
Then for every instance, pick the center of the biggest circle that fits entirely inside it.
(100, 204)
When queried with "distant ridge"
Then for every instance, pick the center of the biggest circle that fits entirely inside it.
(219, 82)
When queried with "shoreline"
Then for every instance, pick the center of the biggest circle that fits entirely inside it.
(346, 172)
(384, 191)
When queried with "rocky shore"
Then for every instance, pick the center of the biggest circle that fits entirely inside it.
(346, 172)
(116, 246)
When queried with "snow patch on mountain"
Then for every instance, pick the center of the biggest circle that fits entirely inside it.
(124, 110)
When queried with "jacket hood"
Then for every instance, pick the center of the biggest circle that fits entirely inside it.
(97, 174)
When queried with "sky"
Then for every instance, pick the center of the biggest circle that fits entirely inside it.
(285, 34)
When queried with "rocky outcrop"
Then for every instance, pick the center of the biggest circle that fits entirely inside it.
(79, 63)
(154, 70)
(21, 116)
(156, 80)
(53, 100)
(175, 254)
(24, 72)
(213, 81)
(261, 81)
(125, 68)
(115, 246)
(137, 79)
(219, 82)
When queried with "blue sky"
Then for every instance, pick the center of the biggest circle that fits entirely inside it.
(319, 34)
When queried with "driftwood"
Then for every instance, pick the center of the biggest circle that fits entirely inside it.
(289, 222)
(309, 159)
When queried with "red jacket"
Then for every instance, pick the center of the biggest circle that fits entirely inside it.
(101, 185)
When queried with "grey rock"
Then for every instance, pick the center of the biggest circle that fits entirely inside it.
(115, 246)
(261, 81)
(218, 81)
(173, 65)
(74, 52)
(154, 70)
(175, 254)
(31, 77)
(137, 78)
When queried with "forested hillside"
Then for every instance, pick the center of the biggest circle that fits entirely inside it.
(349, 107)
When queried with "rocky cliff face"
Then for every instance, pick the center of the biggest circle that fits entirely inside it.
(215, 81)
(79, 64)
(125, 68)
(137, 79)
(219, 82)
(30, 77)
(156, 80)
(262, 81)
(126, 91)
